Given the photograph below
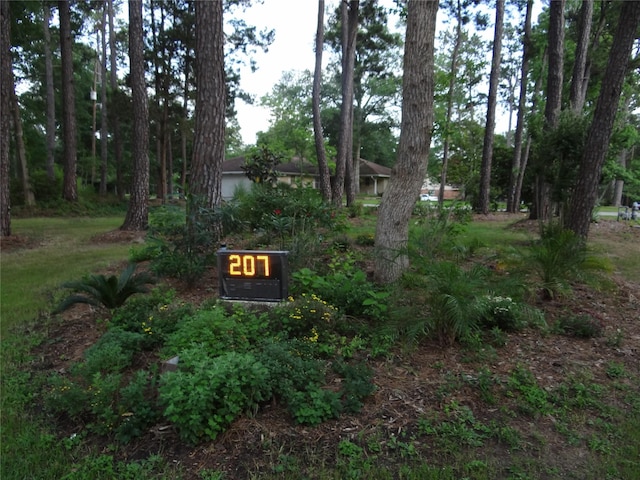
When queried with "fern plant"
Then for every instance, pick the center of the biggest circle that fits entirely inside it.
(106, 292)
(442, 304)
(560, 258)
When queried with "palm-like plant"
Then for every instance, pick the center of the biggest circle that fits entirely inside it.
(560, 258)
(106, 292)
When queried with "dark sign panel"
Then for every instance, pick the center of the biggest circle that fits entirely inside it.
(253, 275)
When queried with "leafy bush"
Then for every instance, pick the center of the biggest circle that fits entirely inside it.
(137, 406)
(155, 316)
(357, 384)
(435, 232)
(300, 315)
(285, 211)
(345, 286)
(315, 405)
(216, 332)
(112, 353)
(501, 312)
(580, 326)
(181, 244)
(207, 393)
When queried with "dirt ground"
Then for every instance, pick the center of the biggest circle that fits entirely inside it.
(407, 384)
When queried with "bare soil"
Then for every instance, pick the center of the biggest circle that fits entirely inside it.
(409, 384)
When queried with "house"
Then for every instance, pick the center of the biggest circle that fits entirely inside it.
(374, 178)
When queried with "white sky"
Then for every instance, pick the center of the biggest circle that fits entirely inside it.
(294, 22)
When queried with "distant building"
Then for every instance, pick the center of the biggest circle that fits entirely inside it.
(374, 178)
(451, 192)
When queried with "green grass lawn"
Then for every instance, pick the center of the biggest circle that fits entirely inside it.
(29, 277)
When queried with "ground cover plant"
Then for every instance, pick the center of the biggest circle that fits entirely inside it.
(464, 369)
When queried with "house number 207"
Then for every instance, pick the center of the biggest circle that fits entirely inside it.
(247, 265)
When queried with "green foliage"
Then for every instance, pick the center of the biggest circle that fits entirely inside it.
(344, 286)
(453, 310)
(291, 367)
(435, 231)
(315, 405)
(533, 399)
(357, 384)
(155, 315)
(557, 154)
(182, 245)
(260, 165)
(559, 258)
(503, 313)
(112, 353)
(285, 211)
(137, 406)
(308, 314)
(457, 427)
(580, 326)
(105, 467)
(207, 393)
(108, 292)
(216, 332)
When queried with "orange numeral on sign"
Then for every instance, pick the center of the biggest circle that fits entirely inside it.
(246, 265)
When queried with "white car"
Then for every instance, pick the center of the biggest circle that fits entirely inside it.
(425, 197)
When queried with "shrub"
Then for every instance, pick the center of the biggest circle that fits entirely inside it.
(580, 326)
(299, 316)
(112, 353)
(182, 244)
(344, 286)
(315, 405)
(501, 312)
(206, 394)
(155, 315)
(216, 332)
(137, 406)
(357, 384)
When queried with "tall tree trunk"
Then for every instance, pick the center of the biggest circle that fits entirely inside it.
(527, 149)
(6, 88)
(516, 166)
(494, 79)
(104, 120)
(69, 128)
(184, 130)
(618, 184)
(579, 77)
(585, 193)
(113, 111)
(21, 151)
(137, 217)
(392, 229)
(452, 82)
(318, 135)
(208, 142)
(51, 101)
(349, 31)
(542, 210)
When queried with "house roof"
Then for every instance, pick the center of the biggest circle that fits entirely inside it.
(373, 169)
(295, 167)
(299, 166)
